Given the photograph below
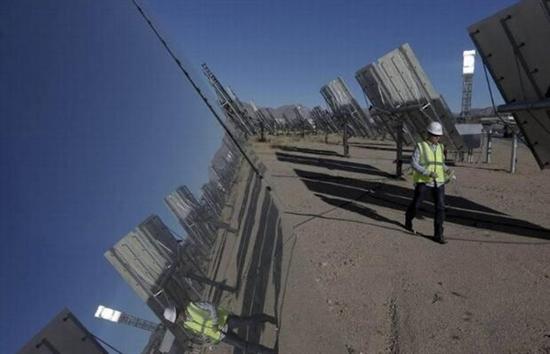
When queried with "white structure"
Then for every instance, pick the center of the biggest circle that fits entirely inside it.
(107, 314)
(468, 67)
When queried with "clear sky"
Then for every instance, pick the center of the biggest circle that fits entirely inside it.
(97, 125)
(279, 52)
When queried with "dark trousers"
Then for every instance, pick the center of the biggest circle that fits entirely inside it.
(233, 339)
(438, 195)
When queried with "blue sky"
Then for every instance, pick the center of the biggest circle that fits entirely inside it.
(279, 52)
(97, 125)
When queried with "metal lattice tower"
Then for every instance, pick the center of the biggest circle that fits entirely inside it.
(468, 67)
(466, 95)
(137, 322)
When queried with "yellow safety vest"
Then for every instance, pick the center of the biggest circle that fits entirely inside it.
(198, 322)
(433, 162)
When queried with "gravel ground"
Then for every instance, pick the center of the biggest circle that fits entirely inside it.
(356, 282)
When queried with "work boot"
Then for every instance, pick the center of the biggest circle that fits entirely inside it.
(409, 225)
(438, 237)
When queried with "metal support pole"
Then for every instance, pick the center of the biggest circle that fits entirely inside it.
(524, 106)
(262, 131)
(345, 140)
(489, 147)
(514, 153)
(197, 89)
(399, 157)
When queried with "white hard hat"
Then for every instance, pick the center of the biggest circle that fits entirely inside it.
(170, 314)
(435, 128)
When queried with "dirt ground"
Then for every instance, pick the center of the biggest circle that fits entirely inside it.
(345, 277)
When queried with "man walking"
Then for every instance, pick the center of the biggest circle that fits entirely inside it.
(213, 325)
(429, 175)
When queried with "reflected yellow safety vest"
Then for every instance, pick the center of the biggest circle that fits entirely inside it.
(433, 161)
(198, 322)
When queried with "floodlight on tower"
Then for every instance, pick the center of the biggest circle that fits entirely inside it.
(107, 314)
(468, 65)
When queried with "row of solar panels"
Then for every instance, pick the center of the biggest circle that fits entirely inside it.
(399, 91)
(163, 270)
(514, 45)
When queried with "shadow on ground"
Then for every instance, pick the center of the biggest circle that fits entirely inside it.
(306, 150)
(459, 210)
(333, 164)
(372, 146)
(259, 257)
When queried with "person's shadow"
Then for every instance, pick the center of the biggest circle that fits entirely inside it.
(459, 210)
(370, 213)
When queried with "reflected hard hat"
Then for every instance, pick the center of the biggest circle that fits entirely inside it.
(170, 314)
(435, 128)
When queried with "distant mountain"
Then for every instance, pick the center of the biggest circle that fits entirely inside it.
(479, 112)
(482, 112)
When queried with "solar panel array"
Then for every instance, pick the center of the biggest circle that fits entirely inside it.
(398, 88)
(63, 334)
(164, 270)
(343, 105)
(515, 46)
(324, 120)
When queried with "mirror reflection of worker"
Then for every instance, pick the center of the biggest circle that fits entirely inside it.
(429, 175)
(214, 325)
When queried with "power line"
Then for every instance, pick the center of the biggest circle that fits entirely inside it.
(195, 86)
